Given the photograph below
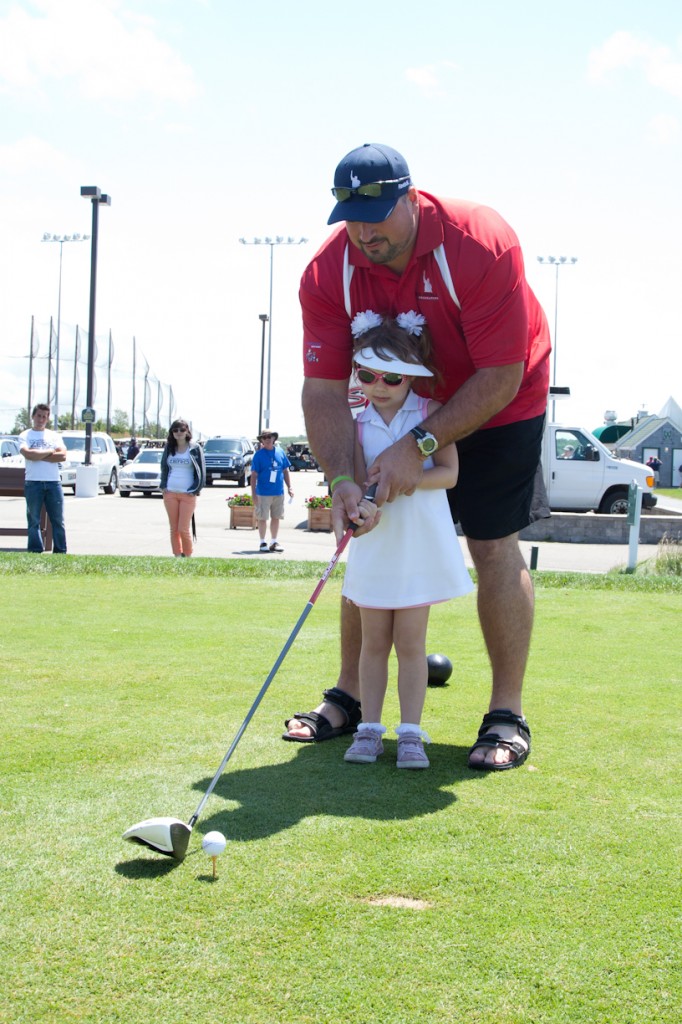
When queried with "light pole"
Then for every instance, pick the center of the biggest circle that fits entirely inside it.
(556, 262)
(97, 198)
(272, 242)
(47, 237)
(263, 317)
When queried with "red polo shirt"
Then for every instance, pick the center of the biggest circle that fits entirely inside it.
(465, 275)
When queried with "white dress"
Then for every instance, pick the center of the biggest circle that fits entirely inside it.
(413, 556)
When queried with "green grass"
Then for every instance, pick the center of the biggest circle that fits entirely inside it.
(346, 893)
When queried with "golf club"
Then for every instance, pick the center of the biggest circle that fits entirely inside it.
(170, 836)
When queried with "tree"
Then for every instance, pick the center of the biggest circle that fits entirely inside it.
(120, 424)
(22, 422)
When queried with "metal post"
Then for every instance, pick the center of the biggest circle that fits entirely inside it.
(59, 331)
(556, 262)
(97, 198)
(47, 237)
(91, 328)
(272, 242)
(132, 419)
(267, 399)
(634, 515)
(31, 356)
(263, 317)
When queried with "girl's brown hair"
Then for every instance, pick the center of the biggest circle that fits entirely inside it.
(171, 443)
(391, 339)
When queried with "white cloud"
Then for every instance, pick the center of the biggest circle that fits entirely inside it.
(664, 129)
(32, 153)
(656, 62)
(428, 78)
(107, 51)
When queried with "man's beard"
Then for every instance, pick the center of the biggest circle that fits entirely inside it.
(385, 255)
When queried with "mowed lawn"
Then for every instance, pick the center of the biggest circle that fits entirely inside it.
(346, 893)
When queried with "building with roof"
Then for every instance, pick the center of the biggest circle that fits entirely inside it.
(660, 436)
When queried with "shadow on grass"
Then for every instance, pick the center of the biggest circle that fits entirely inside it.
(144, 867)
(318, 782)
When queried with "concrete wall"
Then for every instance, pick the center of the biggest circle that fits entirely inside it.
(588, 528)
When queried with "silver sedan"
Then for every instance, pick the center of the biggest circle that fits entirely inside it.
(142, 474)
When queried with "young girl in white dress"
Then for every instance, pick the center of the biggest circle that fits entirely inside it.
(412, 558)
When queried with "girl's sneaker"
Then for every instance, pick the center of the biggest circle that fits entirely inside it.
(365, 748)
(411, 751)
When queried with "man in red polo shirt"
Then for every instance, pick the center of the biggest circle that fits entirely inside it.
(460, 265)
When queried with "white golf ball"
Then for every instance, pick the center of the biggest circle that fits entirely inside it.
(213, 843)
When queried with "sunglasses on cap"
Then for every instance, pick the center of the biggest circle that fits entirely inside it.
(391, 380)
(373, 190)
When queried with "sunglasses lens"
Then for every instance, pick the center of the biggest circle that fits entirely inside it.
(374, 190)
(392, 380)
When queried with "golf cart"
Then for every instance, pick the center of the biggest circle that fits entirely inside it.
(300, 457)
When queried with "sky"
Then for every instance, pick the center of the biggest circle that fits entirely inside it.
(207, 121)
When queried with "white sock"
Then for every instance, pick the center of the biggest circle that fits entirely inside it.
(411, 727)
(375, 726)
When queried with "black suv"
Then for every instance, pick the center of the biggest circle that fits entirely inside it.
(228, 458)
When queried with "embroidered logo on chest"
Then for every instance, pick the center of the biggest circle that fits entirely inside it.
(427, 292)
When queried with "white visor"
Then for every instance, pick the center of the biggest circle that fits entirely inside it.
(387, 363)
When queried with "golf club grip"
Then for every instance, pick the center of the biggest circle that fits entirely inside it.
(369, 495)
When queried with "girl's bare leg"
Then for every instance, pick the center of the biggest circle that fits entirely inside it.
(409, 639)
(377, 640)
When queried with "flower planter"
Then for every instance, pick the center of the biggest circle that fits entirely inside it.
(242, 515)
(320, 519)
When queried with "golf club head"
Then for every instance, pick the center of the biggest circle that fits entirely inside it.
(169, 836)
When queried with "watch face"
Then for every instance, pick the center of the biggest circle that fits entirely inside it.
(428, 445)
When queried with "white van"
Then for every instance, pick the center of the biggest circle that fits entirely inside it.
(581, 475)
(103, 455)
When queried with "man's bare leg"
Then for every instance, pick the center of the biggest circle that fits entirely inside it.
(505, 610)
(349, 682)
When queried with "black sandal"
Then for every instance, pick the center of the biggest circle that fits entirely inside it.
(320, 726)
(493, 739)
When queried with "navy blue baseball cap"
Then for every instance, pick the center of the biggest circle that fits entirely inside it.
(368, 183)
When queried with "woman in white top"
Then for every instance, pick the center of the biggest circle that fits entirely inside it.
(412, 559)
(183, 474)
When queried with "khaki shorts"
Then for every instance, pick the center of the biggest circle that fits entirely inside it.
(269, 506)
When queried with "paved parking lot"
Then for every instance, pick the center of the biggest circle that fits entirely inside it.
(110, 525)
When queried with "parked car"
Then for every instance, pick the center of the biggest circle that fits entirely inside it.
(10, 451)
(103, 455)
(143, 473)
(228, 458)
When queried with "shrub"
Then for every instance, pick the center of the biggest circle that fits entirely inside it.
(669, 556)
(319, 501)
(239, 500)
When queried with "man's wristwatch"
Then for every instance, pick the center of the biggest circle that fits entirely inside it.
(426, 442)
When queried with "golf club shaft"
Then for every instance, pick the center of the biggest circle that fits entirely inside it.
(273, 671)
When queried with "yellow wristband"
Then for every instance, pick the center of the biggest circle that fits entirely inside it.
(338, 479)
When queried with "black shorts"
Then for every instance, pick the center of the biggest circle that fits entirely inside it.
(499, 469)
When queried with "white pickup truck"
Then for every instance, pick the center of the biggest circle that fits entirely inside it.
(581, 475)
